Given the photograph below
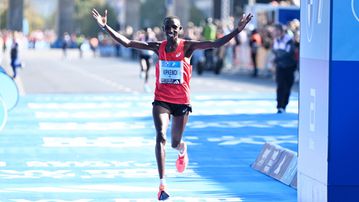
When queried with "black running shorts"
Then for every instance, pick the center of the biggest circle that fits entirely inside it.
(175, 109)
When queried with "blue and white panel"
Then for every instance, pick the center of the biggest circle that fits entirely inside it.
(315, 30)
(314, 100)
(313, 119)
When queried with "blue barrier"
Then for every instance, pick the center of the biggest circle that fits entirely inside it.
(8, 90)
(3, 114)
(2, 70)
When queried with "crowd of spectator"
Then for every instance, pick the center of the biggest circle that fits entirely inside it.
(249, 52)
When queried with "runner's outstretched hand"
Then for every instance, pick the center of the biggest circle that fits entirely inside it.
(101, 20)
(244, 21)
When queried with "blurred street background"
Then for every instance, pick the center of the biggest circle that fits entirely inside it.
(82, 126)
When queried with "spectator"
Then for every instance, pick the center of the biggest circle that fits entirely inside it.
(145, 57)
(284, 60)
(255, 42)
(209, 34)
(80, 39)
(65, 44)
(93, 45)
(14, 57)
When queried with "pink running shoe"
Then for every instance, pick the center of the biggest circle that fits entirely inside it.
(162, 194)
(182, 161)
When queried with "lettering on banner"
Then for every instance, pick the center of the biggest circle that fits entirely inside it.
(310, 14)
(113, 142)
(81, 164)
(35, 174)
(311, 6)
(87, 174)
(320, 12)
(312, 110)
(312, 117)
(355, 10)
(266, 159)
(277, 162)
(286, 167)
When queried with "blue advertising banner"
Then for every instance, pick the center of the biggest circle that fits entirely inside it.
(329, 69)
(343, 124)
(345, 30)
(286, 15)
(344, 73)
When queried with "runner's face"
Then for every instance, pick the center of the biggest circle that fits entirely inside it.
(171, 28)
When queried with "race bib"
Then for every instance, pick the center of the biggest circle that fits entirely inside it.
(171, 72)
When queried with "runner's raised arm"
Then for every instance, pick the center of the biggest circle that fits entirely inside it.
(102, 22)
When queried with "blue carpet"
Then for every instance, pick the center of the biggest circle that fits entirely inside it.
(100, 147)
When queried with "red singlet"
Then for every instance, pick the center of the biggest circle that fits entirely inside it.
(173, 74)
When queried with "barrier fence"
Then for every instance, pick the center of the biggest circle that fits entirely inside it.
(9, 96)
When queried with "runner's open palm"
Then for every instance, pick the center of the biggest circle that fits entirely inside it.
(101, 20)
(244, 21)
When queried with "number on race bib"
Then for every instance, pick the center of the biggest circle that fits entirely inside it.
(171, 72)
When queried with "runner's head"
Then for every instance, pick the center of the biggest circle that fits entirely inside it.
(171, 27)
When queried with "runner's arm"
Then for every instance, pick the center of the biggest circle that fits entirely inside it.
(102, 22)
(131, 43)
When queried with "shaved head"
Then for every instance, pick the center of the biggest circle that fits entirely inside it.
(172, 18)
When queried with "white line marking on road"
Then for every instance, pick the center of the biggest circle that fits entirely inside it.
(2, 164)
(101, 79)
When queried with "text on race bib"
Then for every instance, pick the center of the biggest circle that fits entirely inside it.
(171, 72)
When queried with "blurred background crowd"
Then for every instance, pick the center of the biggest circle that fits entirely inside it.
(68, 24)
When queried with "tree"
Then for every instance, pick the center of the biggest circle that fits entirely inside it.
(36, 21)
(84, 22)
(3, 14)
(196, 16)
(152, 13)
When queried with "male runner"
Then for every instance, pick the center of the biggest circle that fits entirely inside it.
(172, 92)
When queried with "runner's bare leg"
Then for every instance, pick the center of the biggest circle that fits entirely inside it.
(161, 118)
(178, 126)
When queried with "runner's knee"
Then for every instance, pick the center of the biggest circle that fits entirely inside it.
(161, 138)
